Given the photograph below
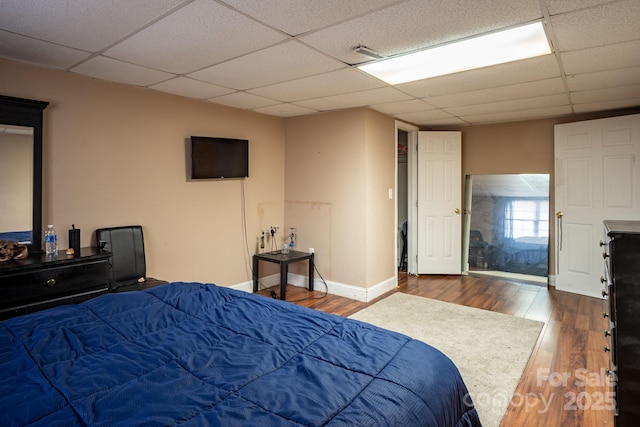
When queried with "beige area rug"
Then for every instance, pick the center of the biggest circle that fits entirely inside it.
(490, 349)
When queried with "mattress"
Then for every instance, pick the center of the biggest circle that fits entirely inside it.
(197, 354)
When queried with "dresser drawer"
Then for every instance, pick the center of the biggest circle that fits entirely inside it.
(29, 286)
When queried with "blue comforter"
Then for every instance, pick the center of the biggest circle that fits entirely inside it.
(196, 355)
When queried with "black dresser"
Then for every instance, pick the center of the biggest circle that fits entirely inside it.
(622, 282)
(43, 281)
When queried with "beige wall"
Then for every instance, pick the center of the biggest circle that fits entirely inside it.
(380, 209)
(339, 168)
(116, 155)
(325, 201)
(508, 148)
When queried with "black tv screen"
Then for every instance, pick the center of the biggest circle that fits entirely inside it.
(216, 158)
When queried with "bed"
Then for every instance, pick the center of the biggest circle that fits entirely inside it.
(526, 255)
(17, 236)
(198, 354)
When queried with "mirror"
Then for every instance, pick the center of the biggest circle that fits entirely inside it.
(509, 227)
(21, 162)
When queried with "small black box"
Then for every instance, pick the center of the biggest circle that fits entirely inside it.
(74, 240)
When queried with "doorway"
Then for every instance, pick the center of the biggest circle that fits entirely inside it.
(405, 190)
(402, 198)
(437, 183)
(509, 226)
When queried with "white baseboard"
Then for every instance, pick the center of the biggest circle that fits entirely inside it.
(357, 293)
(333, 288)
(581, 292)
(265, 282)
(244, 286)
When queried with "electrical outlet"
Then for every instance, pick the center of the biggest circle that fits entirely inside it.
(311, 250)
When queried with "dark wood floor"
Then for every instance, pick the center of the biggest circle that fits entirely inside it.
(565, 382)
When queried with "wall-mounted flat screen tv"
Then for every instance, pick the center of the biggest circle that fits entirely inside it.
(217, 158)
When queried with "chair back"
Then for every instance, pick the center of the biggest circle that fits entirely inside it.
(126, 245)
(475, 236)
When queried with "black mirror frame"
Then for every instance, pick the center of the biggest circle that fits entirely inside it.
(28, 112)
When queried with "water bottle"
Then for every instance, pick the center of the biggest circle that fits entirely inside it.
(50, 241)
(292, 239)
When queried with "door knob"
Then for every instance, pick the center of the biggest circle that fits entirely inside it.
(559, 215)
(457, 211)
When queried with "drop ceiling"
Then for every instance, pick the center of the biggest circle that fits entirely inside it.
(295, 57)
(506, 185)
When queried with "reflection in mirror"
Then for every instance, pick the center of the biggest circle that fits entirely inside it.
(21, 121)
(16, 193)
(509, 227)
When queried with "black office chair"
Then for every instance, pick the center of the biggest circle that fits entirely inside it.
(128, 264)
(403, 257)
(477, 249)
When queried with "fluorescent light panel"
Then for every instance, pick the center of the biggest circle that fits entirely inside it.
(499, 47)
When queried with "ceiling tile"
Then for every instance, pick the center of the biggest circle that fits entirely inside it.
(608, 94)
(512, 105)
(266, 56)
(415, 24)
(422, 116)
(286, 61)
(194, 37)
(285, 110)
(511, 185)
(184, 86)
(602, 58)
(607, 24)
(354, 99)
(501, 93)
(300, 16)
(604, 79)
(510, 116)
(332, 83)
(561, 6)
(32, 51)
(243, 100)
(453, 121)
(606, 106)
(121, 72)
(95, 24)
(540, 68)
(398, 107)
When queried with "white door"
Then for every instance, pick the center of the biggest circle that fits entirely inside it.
(439, 197)
(597, 177)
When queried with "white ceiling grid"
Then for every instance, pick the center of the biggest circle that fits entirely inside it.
(295, 57)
